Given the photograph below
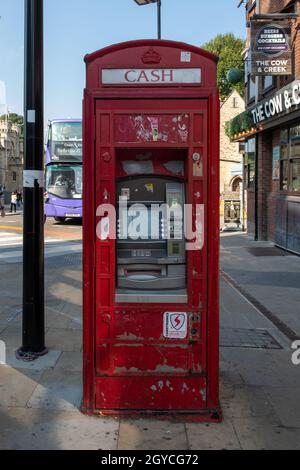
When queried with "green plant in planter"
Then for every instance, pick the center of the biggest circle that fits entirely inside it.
(240, 123)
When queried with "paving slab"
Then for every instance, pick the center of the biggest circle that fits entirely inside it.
(12, 336)
(152, 435)
(64, 339)
(237, 312)
(17, 386)
(76, 325)
(66, 291)
(70, 362)
(56, 320)
(231, 377)
(212, 436)
(246, 401)
(7, 315)
(68, 310)
(259, 434)
(261, 368)
(57, 390)
(285, 402)
(24, 429)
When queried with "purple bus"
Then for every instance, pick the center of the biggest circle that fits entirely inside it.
(63, 197)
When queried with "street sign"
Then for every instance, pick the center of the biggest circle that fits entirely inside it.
(271, 52)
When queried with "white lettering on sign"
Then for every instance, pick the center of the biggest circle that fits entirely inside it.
(272, 66)
(282, 102)
(151, 76)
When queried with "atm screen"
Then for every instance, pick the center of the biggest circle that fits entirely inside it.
(151, 260)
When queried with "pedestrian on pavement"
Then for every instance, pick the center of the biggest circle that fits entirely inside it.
(19, 199)
(2, 208)
(13, 202)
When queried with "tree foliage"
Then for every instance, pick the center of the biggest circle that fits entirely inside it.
(230, 51)
(13, 118)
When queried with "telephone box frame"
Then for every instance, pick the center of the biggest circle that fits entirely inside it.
(113, 57)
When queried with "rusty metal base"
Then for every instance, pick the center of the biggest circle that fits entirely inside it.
(206, 416)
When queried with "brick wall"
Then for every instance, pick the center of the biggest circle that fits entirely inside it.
(274, 6)
(268, 191)
(264, 182)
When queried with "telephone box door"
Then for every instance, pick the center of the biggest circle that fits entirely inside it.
(135, 358)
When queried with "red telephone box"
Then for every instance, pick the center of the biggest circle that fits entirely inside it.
(151, 142)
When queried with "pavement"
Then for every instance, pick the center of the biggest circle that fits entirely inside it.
(9, 214)
(39, 402)
(269, 275)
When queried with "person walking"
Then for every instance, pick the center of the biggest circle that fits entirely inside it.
(13, 202)
(19, 199)
(2, 208)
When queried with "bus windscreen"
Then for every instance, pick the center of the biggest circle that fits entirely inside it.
(66, 142)
(64, 181)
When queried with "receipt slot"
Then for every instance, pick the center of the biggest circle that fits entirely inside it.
(151, 232)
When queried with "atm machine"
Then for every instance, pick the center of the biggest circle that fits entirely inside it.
(151, 268)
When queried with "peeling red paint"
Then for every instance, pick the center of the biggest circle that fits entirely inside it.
(143, 128)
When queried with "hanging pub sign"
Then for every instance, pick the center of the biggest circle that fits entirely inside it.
(271, 52)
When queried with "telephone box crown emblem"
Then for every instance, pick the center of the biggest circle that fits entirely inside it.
(151, 57)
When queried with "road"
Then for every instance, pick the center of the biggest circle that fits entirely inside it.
(60, 239)
(11, 230)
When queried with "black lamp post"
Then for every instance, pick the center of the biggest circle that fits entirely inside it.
(33, 342)
(147, 2)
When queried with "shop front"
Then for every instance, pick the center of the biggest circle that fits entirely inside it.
(272, 168)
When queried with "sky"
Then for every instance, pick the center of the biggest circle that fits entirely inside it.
(74, 28)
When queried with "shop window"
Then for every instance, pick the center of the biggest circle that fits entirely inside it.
(251, 88)
(290, 160)
(250, 157)
(295, 173)
(267, 82)
(284, 172)
(295, 141)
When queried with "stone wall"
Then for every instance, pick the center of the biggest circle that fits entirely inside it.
(11, 157)
(230, 157)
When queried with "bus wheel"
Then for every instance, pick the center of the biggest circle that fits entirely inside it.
(60, 219)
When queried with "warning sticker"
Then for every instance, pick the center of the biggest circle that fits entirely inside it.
(175, 325)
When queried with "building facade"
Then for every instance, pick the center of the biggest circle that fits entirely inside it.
(11, 157)
(272, 140)
(231, 167)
